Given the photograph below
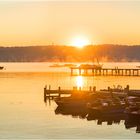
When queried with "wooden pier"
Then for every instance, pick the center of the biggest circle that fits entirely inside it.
(52, 94)
(90, 71)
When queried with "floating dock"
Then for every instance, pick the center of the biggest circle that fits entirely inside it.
(90, 71)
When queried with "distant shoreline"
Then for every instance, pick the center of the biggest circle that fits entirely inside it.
(56, 54)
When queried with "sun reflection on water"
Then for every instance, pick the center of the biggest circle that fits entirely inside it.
(79, 81)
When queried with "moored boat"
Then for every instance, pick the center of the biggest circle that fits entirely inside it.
(107, 106)
(1, 67)
(75, 100)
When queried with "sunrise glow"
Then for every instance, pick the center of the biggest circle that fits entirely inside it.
(80, 42)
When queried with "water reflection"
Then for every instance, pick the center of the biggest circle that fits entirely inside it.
(74, 112)
(79, 81)
(128, 121)
(132, 122)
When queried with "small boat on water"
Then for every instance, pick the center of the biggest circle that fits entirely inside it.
(62, 65)
(1, 67)
(75, 100)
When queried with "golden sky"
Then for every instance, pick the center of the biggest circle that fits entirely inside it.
(58, 22)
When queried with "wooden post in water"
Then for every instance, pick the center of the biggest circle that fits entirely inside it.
(45, 94)
(129, 72)
(137, 72)
(79, 71)
(133, 72)
(90, 88)
(109, 88)
(93, 71)
(59, 88)
(126, 90)
(71, 71)
(111, 93)
(74, 88)
(94, 89)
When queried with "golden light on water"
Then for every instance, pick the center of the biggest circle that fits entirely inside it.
(80, 42)
(79, 81)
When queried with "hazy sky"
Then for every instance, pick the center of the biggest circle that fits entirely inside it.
(41, 23)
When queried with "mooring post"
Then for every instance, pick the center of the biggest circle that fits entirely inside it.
(74, 88)
(49, 91)
(94, 89)
(93, 71)
(79, 71)
(71, 71)
(45, 93)
(59, 88)
(90, 88)
(49, 87)
(109, 88)
(127, 88)
(111, 93)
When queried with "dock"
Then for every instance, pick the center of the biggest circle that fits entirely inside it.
(58, 93)
(50, 94)
(91, 71)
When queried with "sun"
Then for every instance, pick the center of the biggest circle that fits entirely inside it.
(80, 42)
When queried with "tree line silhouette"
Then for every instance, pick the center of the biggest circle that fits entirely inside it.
(55, 53)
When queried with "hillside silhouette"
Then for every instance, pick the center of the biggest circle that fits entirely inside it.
(54, 53)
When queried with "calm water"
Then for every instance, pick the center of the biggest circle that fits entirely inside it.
(23, 113)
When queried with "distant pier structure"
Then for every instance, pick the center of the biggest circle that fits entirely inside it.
(95, 71)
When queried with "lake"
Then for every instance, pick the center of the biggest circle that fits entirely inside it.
(24, 115)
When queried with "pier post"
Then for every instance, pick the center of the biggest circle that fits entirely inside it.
(71, 71)
(133, 72)
(93, 71)
(45, 94)
(86, 72)
(127, 89)
(59, 88)
(109, 88)
(99, 72)
(118, 72)
(74, 88)
(106, 72)
(137, 72)
(49, 87)
(79, 71)
(122, 72)
(94, 89)
(111, 93)
(112, 72)
(90, 88)
(103, 72)
(129, 72)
